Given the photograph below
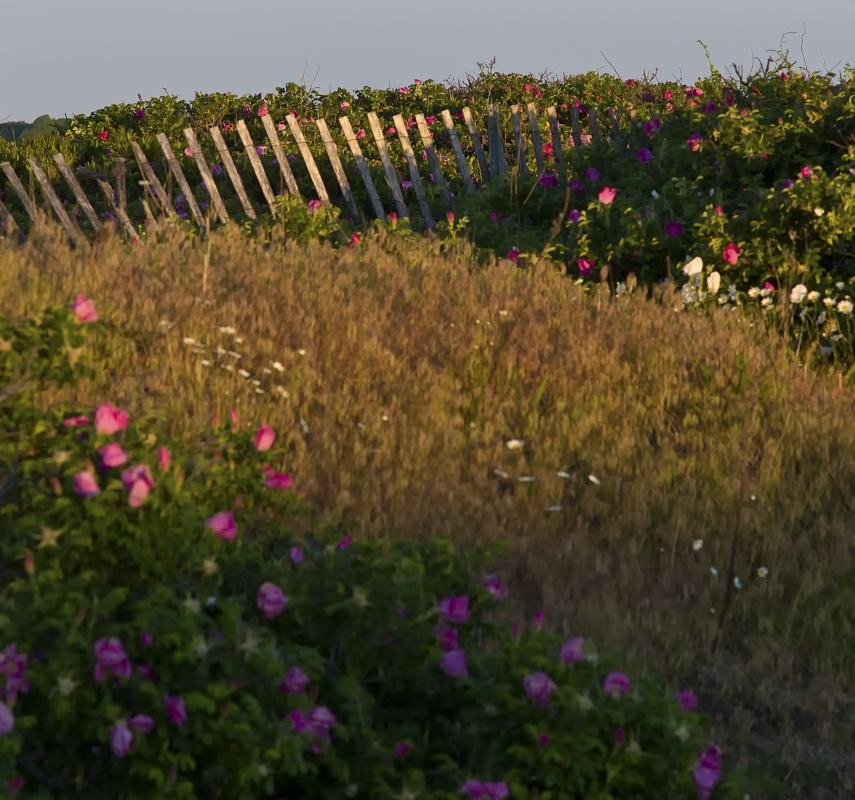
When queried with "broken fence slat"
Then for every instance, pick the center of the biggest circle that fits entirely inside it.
(207, 177)
(391, 175)
(8, 226)
(257, 166)
(617, 142)
(18, 188)
(448, 121)
(154, 184)
(150, 219)
(535, 137)
(577, 128)
(476, 143)
(519, 142)
(308, 159)
(433, 160)
(281, 158)
(120, 171)
(56, 204)
(77, 190)
(595, 126)
(495, 143)
(231, 169)
(178, 174)
(557, 152)
(338, 169)
(110, 194)
(410, 156)
(356, 151)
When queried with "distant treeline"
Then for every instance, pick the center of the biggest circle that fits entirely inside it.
(15, 131)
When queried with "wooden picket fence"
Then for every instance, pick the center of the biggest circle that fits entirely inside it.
(157, 204)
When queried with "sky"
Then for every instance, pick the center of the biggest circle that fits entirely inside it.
(90, 53)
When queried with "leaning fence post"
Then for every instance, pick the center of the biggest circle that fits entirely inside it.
(595, 127)
(409, 155)
(516, 122)
(178, 174)
(50, 195)
(8, 226)
(79, 195)
(308, 159)
(281, 158)
(231, 169)
(557, 152)
(152, 181)
(338, 169)
(356, 151)
(391, 175)
(205, 172)
(433, 160)
(535, 137)
(18, 188)
(458, 151)
(577, 129)
(110, 194)
(476, 143)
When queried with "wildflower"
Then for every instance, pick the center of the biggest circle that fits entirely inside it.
(731, 253)
(447, 638)
(454, 609)
(296, 555)
(112, 455)
(714, 282)
(592, 174)
(264, 438)
(819, 212)
(674, 228)
(515, 444)
(103, 136)
(271, 600)
(7, 719)
(687, 699)
(216, 170)
(484, 790)
(223, 525)
(314, 205)
(762, 572)
(697, 545)
(707, 772)
(651, 126)
(355, 238)
(84, 309)
(139, 483)
(514, 254)
(616, 684)
(164, 458)
(805, 173)
(294, 682)
(737, 583)
(693, 267)
(110, 655)
(262, 110)
(121, 739)
(644, 155)
(845, 306)
(142, 723)
(654, 194)
(694, 142)
(401, 749)
(318, 721)
(110, 419)
(594, 479)
(344, 105)
(360, 134)
(713, 572)
(188, 152)
(85, 484)
(585, 267)
(345, 542)
(73, 422)
(538, 687)
(798, 293)
(496, 589)
(573, 215)
(607, 195)
(278, 480)
(453, 664)
(176, 713)
(572, 651)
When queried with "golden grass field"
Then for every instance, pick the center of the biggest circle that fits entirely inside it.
(658, 444)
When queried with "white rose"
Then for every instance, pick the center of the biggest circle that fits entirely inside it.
(798, 293)
(713, 282)
(694, 267)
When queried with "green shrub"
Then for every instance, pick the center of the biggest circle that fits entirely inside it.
(172, 625)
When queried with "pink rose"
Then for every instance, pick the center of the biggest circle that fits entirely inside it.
(112, 455)
(607, 195)
(731, 253)
(85, 484)
(84, 309)
(223, 525)
(139, 483)
(271, 600)
(121, 739)
(110, 419)
(164, 458)
(616, 684)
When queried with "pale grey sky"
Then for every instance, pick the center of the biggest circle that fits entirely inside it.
(73, 56)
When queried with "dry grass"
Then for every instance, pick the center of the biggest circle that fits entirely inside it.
(420, 366)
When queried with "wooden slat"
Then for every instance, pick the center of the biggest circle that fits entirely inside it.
(18, 188)
(498, 165)
(257, 166)
(281, 158)
(338, 170)
(391, 175)
(410, 156)
(356, 151)
(77, 190)
(150, 219)
(207, 177)
(616, 137)
(8, 226)
(308, 159)
(231, 169)
(519, 143)
(153, 182)
(56, 204)
(577, 128)
(557, 151)
(121, 172)
(178, 174)
(476, 143)
(110, 194)
(433, 159)
(448, 121)
(535, 137)
(595, 126)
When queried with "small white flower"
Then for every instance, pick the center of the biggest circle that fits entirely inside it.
(221, 351)
(845, 306)
(713, 282)
(762, 572)
(280, 390)
(205, 363)
(697, 545)
(503, 312)
(304, 426)
(813, 296)
(228, 367)
(515, 444)
(243, 373)
(553, 508)
(526, 479)
(238, 340)
(798, 293)
(563, 474)
(753, 292)
(500, 473)
(384, 417)
(278, 366)
(737, 583)
(234, 355)
(655, 195)
(594, 479)
(819, 211)
(266, 371)
(255, 382)
(766, 302)
(258, 391)
(828, 302)
(301, 352)
(713, 572)
(227, 329)
(188, 340)
(693, 267)
(840, 285)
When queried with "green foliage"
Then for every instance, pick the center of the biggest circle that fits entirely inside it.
(185, 610)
